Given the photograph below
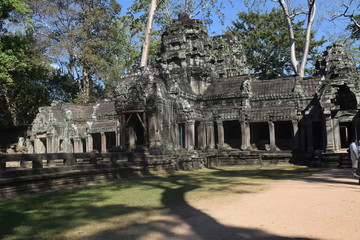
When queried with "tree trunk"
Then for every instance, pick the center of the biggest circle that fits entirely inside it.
(299, 69)
(87, 82)
(146, 47)
(10, 106)
(311, 16)
(293, 60)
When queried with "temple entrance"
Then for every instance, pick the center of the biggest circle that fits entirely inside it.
(232, 133)
(42, 146)
(259, 135)
(136, 130)
(110, 139)
(83, 144)
(347, 133)
(284, 135)
(96, 141)
(318, 135)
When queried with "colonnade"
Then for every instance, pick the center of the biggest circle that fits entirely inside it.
(210, 134)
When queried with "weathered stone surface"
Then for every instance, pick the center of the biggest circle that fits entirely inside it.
(199, 95)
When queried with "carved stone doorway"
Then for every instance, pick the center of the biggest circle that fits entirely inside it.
(347, 133)
(136, 129)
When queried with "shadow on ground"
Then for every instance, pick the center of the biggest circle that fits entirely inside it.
(79, 209)
(201, 225)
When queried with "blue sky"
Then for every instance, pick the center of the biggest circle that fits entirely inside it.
(322, 25)
(331, 30)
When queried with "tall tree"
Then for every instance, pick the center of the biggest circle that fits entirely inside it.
(264, 38)
(291, 10)
(77, 35)
(146, 46)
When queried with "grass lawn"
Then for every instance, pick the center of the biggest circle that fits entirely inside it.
(88, 211)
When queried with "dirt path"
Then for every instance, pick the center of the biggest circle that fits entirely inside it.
(323, 206)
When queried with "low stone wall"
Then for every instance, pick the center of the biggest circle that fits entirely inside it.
(20, 181)
(258, 158)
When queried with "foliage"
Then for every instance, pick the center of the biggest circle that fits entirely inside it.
(354, 27)
(204, 10)
(77, 36)
(12, 11)
(24, 89)
(22, 69)
(265, 41)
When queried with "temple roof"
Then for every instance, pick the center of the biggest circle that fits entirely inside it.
(226, 85)
(104, 125)
(276, 113)
(105, 108)
(273, 87)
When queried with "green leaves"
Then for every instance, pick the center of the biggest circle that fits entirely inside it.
(265, 41)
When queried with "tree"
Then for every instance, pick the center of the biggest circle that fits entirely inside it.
(291, 10)
(27, 80)
(77, 35)
(354, 27)
(145, 51)
(205, 10)
(25, 89)
(264, 38)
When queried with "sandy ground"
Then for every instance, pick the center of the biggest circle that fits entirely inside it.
(324, 206)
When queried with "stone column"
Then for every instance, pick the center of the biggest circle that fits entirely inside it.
(77, 145)
(296, 134)
(272, 136)
(118, 135)
(245, 135)
(152, 130)
(56, 143)
(337, 138)
(201, 135)
(190, 134)
(103, 142)
(310, 139)
(210, 138)
(330, 140)
(220, 128)
(49, 143)
(90, 143)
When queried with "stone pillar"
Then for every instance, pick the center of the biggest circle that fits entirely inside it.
(201, 132)
(210, 138)
(118, 135)
(272, 136)
(49, 143)
(330, 140)
(153, 131)
(309, 134)
(77, 145)
(90, 143)
(190, 134)
(296, 134)
(220, 131)
(245, 135)
(337, 138)
(103, 142)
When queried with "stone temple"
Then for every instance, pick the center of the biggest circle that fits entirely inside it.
(199, 95)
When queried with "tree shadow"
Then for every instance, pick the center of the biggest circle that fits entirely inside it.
(200, 224)
(73, 209)
(79, 207)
